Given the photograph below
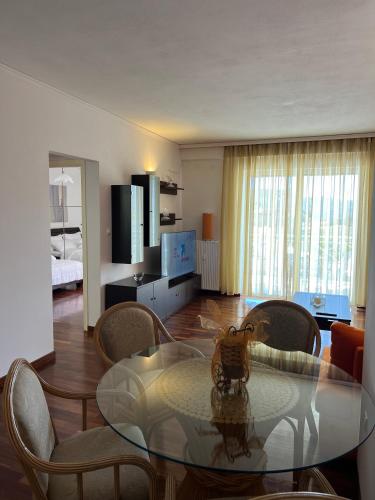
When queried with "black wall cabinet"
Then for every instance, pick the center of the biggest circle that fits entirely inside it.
(151, 208)
(127, 224)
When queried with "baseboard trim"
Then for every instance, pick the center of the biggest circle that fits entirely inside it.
(215, 293)
(38, 364)
(90, 331)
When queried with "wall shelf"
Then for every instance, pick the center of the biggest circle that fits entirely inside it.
(169, 188)
(168, 222)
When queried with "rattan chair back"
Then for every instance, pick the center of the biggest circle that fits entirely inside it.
(34, 440)
(291, 327)
(299, 496)
(28, 422)
(126, 328)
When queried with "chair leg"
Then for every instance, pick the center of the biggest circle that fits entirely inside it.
(297, 480)
(298, 442)
(311, 423)
(298, 451)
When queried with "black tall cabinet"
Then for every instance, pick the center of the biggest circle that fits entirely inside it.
(127, 224)
(151, 208)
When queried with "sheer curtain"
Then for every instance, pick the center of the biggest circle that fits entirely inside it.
(295, 216)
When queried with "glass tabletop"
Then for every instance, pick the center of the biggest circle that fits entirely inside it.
(295, 411)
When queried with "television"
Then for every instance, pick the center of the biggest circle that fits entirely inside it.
(178, 253)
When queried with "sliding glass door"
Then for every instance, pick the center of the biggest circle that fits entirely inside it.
(296, 218)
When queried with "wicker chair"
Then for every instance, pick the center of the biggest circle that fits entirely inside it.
(293, 495)
(299, 496)
(127, 328)
(86, 465)
(291, 328)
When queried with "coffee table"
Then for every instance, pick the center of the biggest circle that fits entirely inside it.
(335, 308)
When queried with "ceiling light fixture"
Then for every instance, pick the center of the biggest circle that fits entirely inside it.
(63, 179)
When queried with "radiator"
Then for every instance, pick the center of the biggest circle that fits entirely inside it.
(208, 255)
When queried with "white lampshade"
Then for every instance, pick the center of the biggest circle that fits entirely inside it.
(63, 178)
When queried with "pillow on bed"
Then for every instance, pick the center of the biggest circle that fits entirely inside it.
(75, 254)
(56, 240)
(65, 246)
(73, 236)
(53, 258)
(67, 243)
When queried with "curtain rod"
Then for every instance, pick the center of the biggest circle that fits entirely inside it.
(276, 141)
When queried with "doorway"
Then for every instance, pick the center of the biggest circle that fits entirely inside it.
(75, 240)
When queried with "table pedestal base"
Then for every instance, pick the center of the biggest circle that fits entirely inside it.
(201, 484)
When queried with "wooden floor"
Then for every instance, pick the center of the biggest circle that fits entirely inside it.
(79, 368)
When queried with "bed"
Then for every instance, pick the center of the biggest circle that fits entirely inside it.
(66, 257)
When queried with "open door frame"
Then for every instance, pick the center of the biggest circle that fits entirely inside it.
(91, 243)
(90, 233)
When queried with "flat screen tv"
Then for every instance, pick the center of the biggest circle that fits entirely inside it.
(177, 253)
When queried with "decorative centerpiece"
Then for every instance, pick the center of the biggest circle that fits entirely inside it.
(233, 427)
(231, 359)
(138, 277)
(238, 433)
(318, 300)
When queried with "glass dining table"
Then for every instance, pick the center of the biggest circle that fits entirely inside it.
(295, 412)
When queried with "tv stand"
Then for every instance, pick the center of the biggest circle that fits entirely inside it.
(181, 291)
(180, 279)
(163, 296)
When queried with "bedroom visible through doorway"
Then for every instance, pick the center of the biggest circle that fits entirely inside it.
(67, 233)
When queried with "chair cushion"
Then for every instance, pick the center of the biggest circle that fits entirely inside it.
(33, 417)
(127, 331)
(98, 485)
(289, 361)
(345, 341)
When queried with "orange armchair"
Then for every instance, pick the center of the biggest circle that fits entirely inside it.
(347, 348)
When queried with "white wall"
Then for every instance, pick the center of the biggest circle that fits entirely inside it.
(35, 120)
(366, 458)
(202, 175)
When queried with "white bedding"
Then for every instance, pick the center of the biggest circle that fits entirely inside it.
(74, 254)
(66, 271)
(67, 246)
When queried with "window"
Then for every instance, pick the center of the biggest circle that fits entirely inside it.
(295, 217)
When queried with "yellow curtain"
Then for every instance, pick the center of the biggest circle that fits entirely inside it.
(296, 217)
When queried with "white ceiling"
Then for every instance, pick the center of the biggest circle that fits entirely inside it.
(205, 70)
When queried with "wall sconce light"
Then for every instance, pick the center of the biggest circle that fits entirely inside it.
(150, 172)
(150, 167)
